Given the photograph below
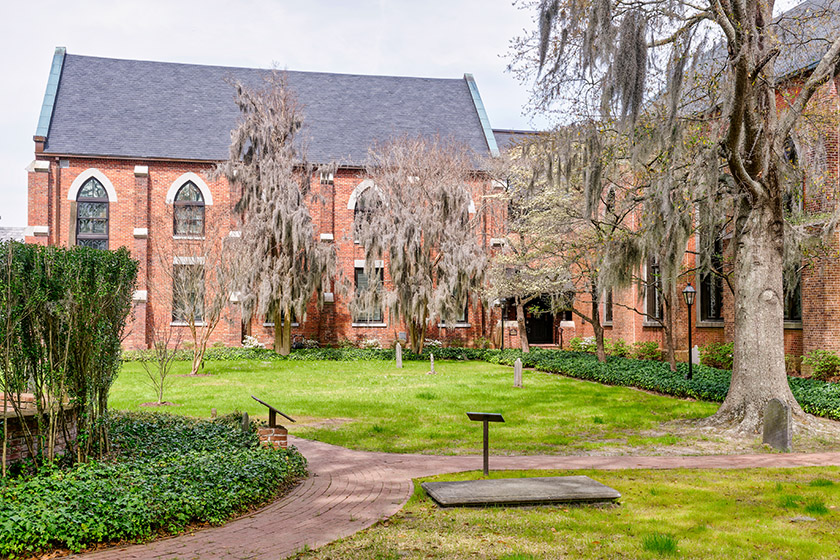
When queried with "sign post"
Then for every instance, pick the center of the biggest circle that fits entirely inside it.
(486, 418)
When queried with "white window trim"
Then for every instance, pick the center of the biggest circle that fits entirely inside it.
(357, 192)
(360, 263)
(455, 326)
(197, 181)
(188, 260)
(186, 324)
(73, 193)
(363, 325)
(271, 324)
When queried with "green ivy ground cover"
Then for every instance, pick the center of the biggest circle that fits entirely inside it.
(170, 472)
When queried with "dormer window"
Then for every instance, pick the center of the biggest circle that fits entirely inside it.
(189, 211)
(92, 215)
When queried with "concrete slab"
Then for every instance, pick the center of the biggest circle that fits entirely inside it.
(520, 491)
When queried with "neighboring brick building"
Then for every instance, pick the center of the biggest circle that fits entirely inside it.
(124, 145)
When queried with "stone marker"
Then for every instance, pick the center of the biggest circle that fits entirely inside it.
(399, 355)
(777, 429)
(802, 519)
(246, 422)
(520, 491)
(212, 413)
(432, 361)
(517, 373)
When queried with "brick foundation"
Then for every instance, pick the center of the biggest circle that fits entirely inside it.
(16, 443)
(274, 437)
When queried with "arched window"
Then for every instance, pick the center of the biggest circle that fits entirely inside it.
(367, 202)
(92, 215)
(189, 210)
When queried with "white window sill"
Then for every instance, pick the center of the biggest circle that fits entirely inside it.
(272, 324)
(567, 324)
(193, 237)
(455, 326)
(607, 324)
(185, 324)
(709, 324)
(796, 325)
(651, 325)
(369, 325)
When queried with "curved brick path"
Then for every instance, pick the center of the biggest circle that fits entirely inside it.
(352, 490)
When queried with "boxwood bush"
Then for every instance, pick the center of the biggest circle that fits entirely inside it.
(169, 472)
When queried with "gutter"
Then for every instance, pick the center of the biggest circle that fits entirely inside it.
(52, 91)
(482, 115)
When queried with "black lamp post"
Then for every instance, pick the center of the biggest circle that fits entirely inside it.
(688, 294)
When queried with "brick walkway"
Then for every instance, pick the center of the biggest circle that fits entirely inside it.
(352, 490)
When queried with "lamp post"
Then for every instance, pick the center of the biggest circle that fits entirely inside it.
(688, 295)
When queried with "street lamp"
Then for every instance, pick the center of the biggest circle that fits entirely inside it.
(688, 294)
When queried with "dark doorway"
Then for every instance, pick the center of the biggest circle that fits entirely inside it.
(539, 322)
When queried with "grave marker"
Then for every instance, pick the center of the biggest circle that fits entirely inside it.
(517, 373)
(777, 426)
(432, 361)
(399, 355)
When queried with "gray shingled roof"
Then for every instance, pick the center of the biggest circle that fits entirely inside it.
(131, 108)
(506, 139)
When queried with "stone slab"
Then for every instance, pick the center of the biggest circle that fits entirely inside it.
(520, 491)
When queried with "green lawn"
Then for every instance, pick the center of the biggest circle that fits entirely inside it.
(374, 406)
(714, 514)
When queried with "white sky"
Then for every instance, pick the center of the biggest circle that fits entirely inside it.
(430, 38)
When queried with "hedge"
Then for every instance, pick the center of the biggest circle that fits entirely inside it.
(172, 471)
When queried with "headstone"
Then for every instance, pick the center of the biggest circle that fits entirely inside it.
(695, 355)
(401, 336)
(432, 361)
(212, 413)
(246, 422)
(777, 426)
(520, 491)
(517, 373)
(399, 355)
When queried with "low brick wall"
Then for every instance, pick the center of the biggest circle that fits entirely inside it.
(275, 437)
(16, 443)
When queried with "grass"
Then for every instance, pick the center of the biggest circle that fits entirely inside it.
(374, 406)
(715, 514)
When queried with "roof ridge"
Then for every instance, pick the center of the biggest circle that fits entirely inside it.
(264, 69)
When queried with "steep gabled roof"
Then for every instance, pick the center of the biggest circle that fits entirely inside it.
(140, 109)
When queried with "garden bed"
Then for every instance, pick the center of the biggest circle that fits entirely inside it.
(166, 473)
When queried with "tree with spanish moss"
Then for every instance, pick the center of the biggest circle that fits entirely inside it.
(722, 64)
(421, 223)
(267, 165)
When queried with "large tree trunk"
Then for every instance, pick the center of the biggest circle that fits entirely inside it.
(758, 368)
(670, 323)
(520, 323)
(597, 328)
(416, 336)
(283, 332)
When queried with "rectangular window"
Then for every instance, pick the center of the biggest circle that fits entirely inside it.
(793, 299)
(464, 317)
(373, 315)
(188, 293)
(711, 288)
(653, 290)
(608, 308)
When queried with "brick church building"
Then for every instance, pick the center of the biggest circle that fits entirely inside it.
(124, 154)
(124, 148)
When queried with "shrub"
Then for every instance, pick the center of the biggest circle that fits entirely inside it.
(251, 342)
(646, 351)
(717, 355)
(618, 347)
(824, 364)
(578, 344)
(432, 343)
(171, 471)
(793, 364)
(311, 343)
(370, 344)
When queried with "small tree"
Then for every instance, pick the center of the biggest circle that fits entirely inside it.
(165, 344)
(288, 265)
(202, 272)
(421, 222)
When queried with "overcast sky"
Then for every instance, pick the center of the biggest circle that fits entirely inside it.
(432, 38)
